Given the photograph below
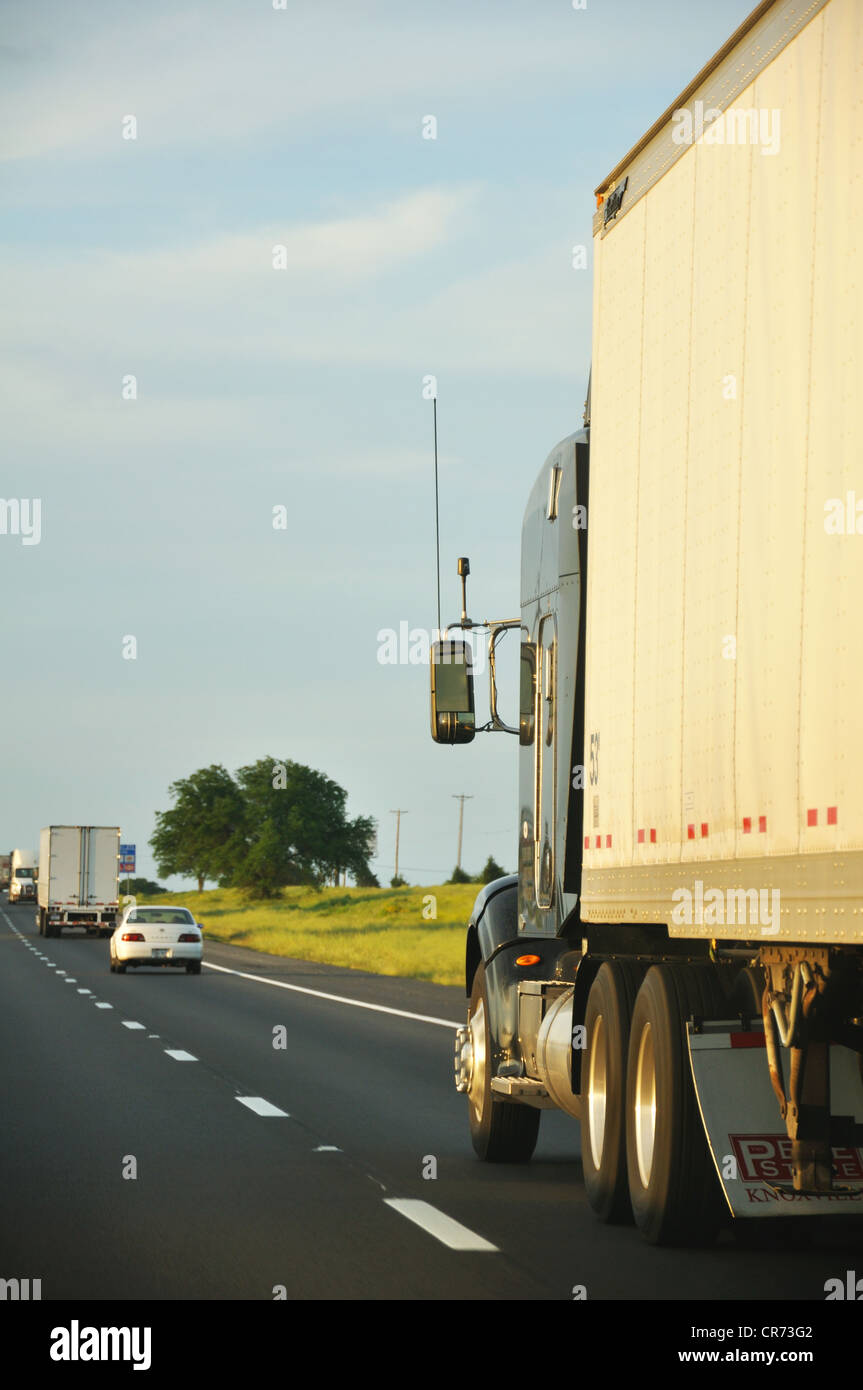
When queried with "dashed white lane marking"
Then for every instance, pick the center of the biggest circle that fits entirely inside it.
(60, 972)
(100, 1004)
(179, 1055)
(70, 980)
(152, 1035)
(327, 1149)
(261, 1106)
(127, 1024)
(443, 1228)
(83, 991)
(335, 998)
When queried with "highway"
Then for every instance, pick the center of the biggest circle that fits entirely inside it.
(262, 1169)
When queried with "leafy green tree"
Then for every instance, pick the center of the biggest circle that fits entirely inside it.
(146, 886)
(491, 871)
(459, 876)
(203, 833)
(296, 829)
(398, 882)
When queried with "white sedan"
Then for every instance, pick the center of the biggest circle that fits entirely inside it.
(157, 936)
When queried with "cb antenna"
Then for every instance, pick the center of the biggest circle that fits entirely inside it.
(436, 514)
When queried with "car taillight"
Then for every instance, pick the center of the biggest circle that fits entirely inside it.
(188, 936)
(132, 936)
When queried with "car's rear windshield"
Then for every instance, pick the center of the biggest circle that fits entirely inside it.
(168, 916)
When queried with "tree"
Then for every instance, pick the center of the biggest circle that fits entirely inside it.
(491, 871)
(141, 885)
(398, 882)
(296, 829)
(202, 834)
(459, 876)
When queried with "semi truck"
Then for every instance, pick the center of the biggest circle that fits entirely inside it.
(22, 876)
(678, 962)
(78, 879)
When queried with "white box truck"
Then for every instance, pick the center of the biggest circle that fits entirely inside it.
(22, 876)
(78, 878)
(679, 961)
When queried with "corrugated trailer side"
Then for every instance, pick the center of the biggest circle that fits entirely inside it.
(725, 565)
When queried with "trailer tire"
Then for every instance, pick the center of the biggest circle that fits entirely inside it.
(501, 1131)
(41, 921)
(603, 1096)
(673, 1186)
(747, 992)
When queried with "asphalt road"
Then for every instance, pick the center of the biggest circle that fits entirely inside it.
(229, 1203)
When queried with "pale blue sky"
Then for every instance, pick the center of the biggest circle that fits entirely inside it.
(301, 387)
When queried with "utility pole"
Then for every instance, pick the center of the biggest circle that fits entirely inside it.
(461, 800)
(398, 815)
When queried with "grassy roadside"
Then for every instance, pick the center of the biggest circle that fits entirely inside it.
(378, 929)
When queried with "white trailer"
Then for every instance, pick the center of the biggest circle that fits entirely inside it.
(679, 963)
(78, 878)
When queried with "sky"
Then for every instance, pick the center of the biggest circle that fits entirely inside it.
(165, 388)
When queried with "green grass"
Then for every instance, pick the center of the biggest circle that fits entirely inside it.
(378, 929)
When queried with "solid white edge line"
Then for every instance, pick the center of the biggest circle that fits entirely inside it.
(335, 998)
(449, 1232)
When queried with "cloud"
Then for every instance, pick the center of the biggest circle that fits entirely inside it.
(220, 73)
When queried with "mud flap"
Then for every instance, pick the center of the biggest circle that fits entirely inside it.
(746, 1132)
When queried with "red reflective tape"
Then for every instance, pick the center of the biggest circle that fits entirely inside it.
(832, 814)
(703, 829)
(747, 1040)
(587, 842)
(812, 817)
(608, 842)
(653, 837)
(690, 831)
(747, 825)
(641, 837)
(762, 825)
(599, 842)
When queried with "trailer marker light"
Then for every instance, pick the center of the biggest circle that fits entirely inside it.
(528, 960)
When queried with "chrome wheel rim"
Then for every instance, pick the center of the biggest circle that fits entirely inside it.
(475, 1061)
(645, 1105)
(596, 1095)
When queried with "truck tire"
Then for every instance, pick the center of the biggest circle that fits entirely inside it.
(673, 1185)
(603, 1095)
(747, 992)
(501, 1131)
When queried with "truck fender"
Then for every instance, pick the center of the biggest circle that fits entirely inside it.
(493, 938)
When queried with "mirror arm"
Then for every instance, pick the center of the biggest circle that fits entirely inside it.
(496, 628)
